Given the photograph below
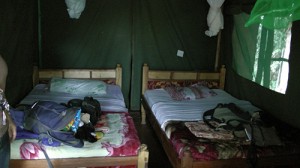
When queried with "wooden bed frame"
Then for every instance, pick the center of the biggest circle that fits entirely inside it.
(187, 161)
(43, 75)
(115, 75)
(158, 75)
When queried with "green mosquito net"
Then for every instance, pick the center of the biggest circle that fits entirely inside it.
(274, 14)
(273, 20)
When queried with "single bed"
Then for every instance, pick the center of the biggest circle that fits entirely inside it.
(120, 146)
(182, 147)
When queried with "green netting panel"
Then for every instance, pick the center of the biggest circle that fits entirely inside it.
(274, 14)
(260, 54)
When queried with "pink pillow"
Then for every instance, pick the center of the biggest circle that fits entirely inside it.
(189, 93)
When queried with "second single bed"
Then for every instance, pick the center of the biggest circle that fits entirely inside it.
(173, 112)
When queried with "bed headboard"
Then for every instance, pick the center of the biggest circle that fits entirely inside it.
(218, 78)
(113, 75)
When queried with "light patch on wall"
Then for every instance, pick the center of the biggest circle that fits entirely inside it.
(75, 8)
(180, 53)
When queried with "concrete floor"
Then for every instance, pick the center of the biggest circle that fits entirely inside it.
(157, 156)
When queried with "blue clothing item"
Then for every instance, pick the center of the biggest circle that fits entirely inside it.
(4, 151)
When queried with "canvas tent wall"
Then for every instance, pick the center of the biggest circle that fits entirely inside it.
(130, 32)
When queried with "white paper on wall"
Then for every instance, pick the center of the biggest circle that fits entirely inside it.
(75, 8)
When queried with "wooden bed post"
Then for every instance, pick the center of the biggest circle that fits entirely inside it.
(218, 51)
(35, 76)
(144, 87)
(222, 77)
(119, 75)
(143, 156)
(187, 160)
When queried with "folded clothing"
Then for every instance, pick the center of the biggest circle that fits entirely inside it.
(202, 130)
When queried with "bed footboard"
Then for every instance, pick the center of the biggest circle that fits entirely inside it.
(143, 156)
(141, 160)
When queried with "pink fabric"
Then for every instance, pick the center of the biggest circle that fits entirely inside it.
(189, 93)
(202, 130)
(30, 150)
(203, 149)
(131, 140)
(129, 147)
(157, 84)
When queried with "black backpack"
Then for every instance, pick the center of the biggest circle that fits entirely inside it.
(88, 105)
(48, 119)
(227, 116)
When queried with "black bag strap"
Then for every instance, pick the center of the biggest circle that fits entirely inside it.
(46, 156)
(208, 116)
(73, 141)
(239, 112)
(75, 103)
(237, 127)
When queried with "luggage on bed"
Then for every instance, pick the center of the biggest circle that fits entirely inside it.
(48, 119)
(227, 116)
(88, 105)
(242, 124)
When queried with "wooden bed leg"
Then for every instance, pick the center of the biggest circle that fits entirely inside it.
(119, 75)
(35, 76)
(144, 87)
(187, 160)
(143, 156)
(143, 115)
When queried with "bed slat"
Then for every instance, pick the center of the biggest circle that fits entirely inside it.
(97, 74)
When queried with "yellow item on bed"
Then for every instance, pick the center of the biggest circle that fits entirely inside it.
(99, 134)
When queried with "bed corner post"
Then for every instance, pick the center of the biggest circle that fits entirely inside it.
(35, 76)
(143, 157)
(144, 87)
(119, 75)
(222, 77)
(187, 160)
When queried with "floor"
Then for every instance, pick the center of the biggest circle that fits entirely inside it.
(157, 156)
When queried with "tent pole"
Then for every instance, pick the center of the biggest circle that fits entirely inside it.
(39, 35)
(218, 51)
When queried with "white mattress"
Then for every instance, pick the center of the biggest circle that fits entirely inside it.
(113, 101)
(166, 109)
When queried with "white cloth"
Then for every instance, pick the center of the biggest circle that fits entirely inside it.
(75, 8)
(215, 20)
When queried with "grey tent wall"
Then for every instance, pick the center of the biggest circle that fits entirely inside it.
(129, 32)
(161, 28)
(280, 109)
(141, 31)
(18, 45)
(100, 38)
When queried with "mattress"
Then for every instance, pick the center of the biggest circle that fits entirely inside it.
(120, 140)
(203, 149)
(113, 100)
(166, 109)
(173, 115)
